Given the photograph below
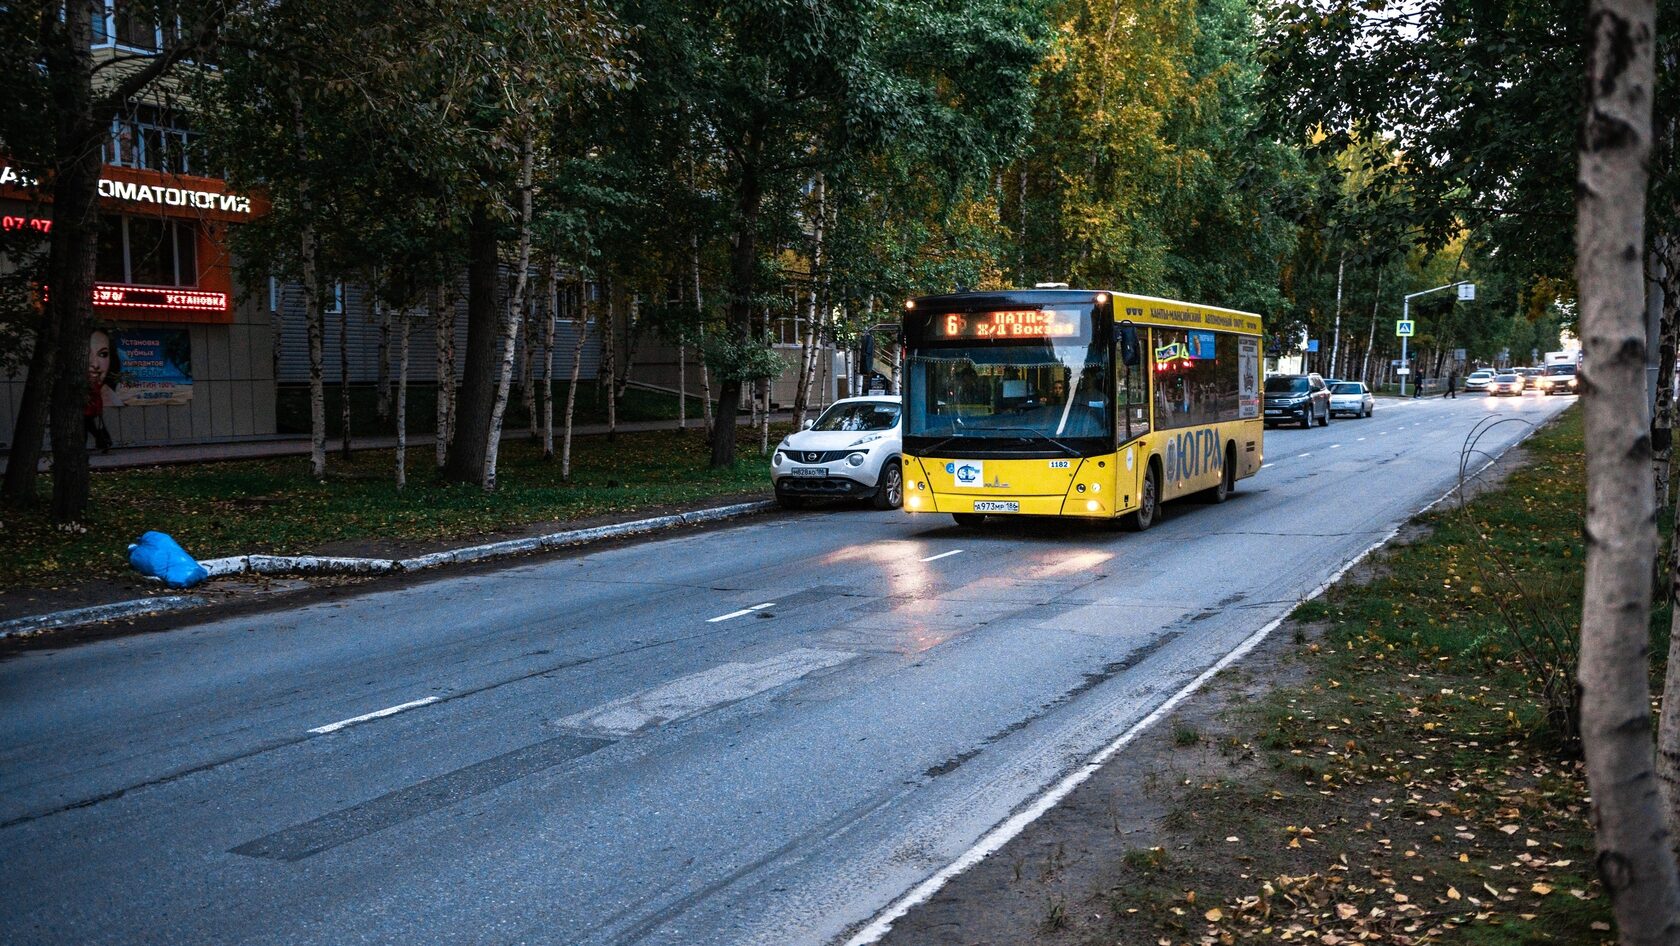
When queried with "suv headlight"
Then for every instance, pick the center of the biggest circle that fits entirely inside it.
(855, 459)
(777, 460)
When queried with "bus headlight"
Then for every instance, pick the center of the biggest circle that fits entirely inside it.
(914, 502)
(1092, 505)
(855, 459)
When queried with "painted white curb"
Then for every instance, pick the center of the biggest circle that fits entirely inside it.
(336, 565)
(100, 612)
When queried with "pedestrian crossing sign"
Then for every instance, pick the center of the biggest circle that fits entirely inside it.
(1403, 328)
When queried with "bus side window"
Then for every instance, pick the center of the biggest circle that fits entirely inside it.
(1131, 385)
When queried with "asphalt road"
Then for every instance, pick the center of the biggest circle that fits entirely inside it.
(760, 734)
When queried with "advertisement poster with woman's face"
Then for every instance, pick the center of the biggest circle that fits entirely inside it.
(138, 367)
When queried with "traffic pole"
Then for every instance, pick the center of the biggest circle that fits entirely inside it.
(1405, 316)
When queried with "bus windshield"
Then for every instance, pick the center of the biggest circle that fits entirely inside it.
(1049, 390)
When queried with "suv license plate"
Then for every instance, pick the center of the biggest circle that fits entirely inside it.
(981, 505)
(808, 471)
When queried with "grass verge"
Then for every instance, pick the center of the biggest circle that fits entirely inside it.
(275, 506)
(1412, 787)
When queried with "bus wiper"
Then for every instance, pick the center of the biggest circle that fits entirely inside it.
(1043, 436)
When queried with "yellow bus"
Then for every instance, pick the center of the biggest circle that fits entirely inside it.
(1059, 402)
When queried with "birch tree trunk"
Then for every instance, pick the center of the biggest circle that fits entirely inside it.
(609, 361)
(444, 323)
(344, 378)
(1336, 333)
(382, 314)
(1371, 343)
(1668, 724)
(700, 308)
(527, 373)
(1634, 860)
(551, 306)
(513, 316)
(407, 319)
(1662, 419)
(312, 313)
(581, 320)
(808, 355)
(632, 339)
(682, 387)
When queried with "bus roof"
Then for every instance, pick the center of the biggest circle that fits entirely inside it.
(1142, 310)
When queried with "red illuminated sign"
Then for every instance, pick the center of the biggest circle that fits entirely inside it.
(38, 224)
(1014, 323)
(116, 295)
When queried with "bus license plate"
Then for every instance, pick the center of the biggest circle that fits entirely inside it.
(809, 471)
(981, 505)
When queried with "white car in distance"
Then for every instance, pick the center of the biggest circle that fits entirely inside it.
(850, 452)
(1351, 398)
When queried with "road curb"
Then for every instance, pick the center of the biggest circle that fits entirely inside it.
(338, 565)
(76, 617)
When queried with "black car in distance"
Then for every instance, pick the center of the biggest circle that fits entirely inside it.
(1297, 399)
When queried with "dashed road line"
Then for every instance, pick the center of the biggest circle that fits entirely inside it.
(376, 714)
(935, 558)
(741, 613)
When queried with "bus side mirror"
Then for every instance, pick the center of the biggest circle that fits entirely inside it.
(1128, 339)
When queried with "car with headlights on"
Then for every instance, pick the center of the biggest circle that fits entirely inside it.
(1505, 385)
(851, 451)
(1478, 380)
(1558, 379)
(1351, 398)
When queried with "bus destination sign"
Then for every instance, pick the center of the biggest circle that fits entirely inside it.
(1014, 323)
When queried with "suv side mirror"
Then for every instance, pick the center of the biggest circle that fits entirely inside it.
(809, 423)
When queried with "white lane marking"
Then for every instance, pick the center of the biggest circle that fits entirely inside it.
(1335, 446)
(696, 693)
(1307, 454)
(736, 614)
(935, 558)
(1361, 438)
(994, 840)
(376, 714)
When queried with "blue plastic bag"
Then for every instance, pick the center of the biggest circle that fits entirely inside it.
(160, 556)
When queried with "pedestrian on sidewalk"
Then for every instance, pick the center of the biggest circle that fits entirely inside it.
(1452, 384)
(1417, 391)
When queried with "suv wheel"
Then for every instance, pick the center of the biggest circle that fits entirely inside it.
(890, 492)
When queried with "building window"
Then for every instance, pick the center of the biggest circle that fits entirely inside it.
(147, 251)
(336, 306)
(99, 15)
(135, 27)
(274, 294)
(152, 138)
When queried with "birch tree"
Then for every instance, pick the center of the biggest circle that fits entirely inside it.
(1634, 860)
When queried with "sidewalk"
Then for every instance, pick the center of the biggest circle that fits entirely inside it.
(298, 445)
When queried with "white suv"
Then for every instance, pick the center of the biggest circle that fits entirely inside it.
(851, 451)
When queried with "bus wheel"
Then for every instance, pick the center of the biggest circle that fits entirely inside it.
(1149, 503)
(969, 519)
(1227, 479)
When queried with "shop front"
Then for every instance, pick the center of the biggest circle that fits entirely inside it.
(177, 354)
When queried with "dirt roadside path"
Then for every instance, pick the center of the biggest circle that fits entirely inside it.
(1305, 795)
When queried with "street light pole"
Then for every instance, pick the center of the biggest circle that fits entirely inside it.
(1406, 316)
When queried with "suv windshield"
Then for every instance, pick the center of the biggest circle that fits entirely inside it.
(1347, 387)
(1560, 369)
(872, 415)
(1285, 385)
